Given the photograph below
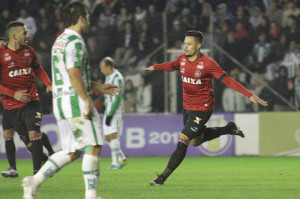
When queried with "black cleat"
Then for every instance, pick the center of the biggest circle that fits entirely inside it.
(157, 182)
(235, 130)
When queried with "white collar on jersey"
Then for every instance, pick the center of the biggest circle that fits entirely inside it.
(73, 32)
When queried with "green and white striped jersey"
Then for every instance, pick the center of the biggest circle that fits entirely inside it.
(114, 104)
(68, 51)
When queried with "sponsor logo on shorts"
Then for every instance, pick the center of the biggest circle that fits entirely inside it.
(64, 93)
(194, 128)
(197, 120)
(38, 115)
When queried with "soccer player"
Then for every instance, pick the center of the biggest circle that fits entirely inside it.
(197, 71)
(20, 98)
(77, 119)
(113, 115)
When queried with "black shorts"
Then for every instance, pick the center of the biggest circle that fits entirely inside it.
(23, 119)
(194, 122)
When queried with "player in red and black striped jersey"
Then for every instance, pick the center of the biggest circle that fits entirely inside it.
(197, 71)
(18, 67)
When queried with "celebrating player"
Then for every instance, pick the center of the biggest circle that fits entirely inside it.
(113, 115)
(197, 71)
(20, 98)
(77, 119)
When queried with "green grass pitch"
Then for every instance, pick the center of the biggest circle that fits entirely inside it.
(196, 177)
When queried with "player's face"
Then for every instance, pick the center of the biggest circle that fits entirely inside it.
(22, 36)
(103, 68)
(86, 24)
(191, 46)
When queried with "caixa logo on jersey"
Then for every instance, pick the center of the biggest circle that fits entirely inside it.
(23, 71)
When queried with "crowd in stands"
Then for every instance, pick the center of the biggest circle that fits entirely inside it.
(263, 35)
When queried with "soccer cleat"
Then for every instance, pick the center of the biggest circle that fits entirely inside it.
(123, 163)
(157, 182)
(235, 130)
(10, 173)
(29, 187)
(113, 167)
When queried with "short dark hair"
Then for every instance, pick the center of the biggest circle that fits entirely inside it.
(72, 11)
(108, 62)
(14, 24)
(197, 34)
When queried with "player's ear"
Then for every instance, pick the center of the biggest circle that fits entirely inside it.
(199, 45)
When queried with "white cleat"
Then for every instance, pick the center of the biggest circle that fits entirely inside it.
(29, 187)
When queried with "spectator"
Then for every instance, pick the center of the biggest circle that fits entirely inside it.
(144, 96)
(188, 21)
(280, 47)
(241, 17)
(126, 46)
(29, 22)
(295, 82)
(5, 18)
(139, 17)
(144, 39)
(154, 20)
(232, 100)
(255, 18)
(284, 88)
(275, 14)
(262, 51)
(274, 32)
(263, 27)
(129, 97)
(262, 91)
(291, 59)
(221, 16)
(203, 20)
(273, 68)
(291, 10)
(292, 30)
(122, 18)
(108, 18)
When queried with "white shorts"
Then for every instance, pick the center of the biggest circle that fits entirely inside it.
(78, 133)
(116, 125)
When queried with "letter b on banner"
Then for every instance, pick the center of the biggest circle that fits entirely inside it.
(135, 138)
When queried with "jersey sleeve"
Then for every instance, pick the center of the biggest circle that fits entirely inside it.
(215, 70)
(74, 54)
(115, 100)
(169, 66)
(35, 61)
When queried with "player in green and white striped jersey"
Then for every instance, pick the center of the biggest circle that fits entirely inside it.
(77, 119)
(114, 112)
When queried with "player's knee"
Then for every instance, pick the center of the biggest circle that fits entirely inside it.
(195, 142)
(75, 155)
(94, 150)
(8, 134)
(34, 134)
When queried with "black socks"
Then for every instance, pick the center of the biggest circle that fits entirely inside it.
(175, 160)
(10, 148)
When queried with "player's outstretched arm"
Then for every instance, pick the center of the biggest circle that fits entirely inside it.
(108, 89)
(149, 68)
(256, 99)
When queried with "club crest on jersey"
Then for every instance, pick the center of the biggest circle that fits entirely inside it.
(182, 63)
(197, 73)
(191, 80)
(23, 71)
